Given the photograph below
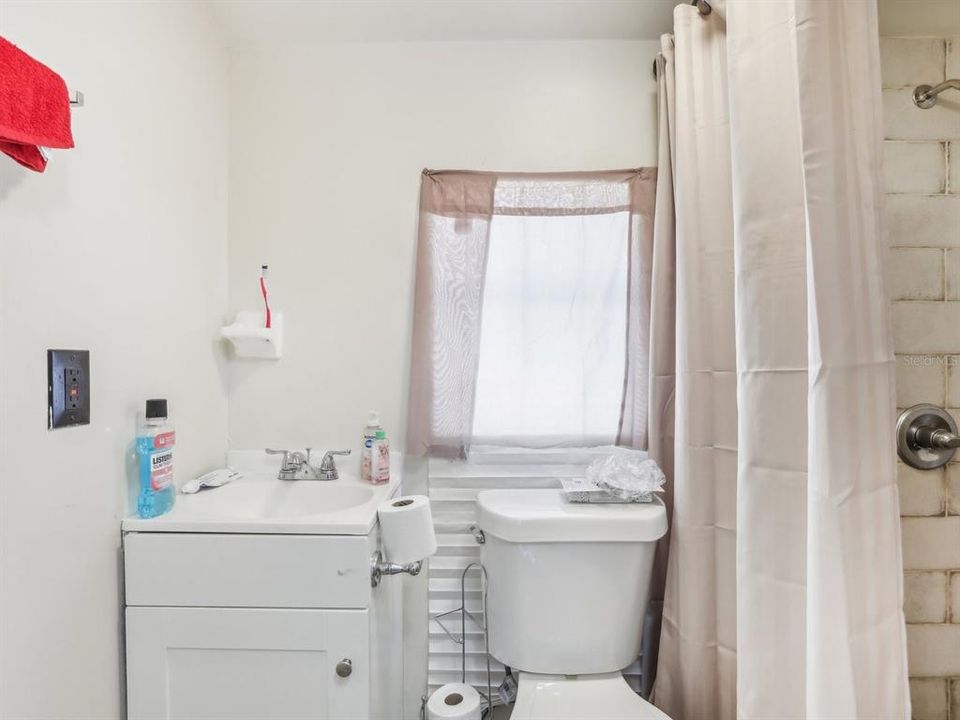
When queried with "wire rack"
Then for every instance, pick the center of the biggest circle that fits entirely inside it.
(448, 618)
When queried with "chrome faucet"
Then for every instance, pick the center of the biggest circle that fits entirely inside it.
(295, 465)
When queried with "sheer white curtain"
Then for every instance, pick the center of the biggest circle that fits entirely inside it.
(552, 341)
(789, 91)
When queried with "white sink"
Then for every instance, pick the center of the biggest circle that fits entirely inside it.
(297, 499)
(260, 503)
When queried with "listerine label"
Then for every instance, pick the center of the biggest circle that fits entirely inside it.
(161, 469)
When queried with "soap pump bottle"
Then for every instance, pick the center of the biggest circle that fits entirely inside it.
(155, 441)
(369, 439)
(380, 463)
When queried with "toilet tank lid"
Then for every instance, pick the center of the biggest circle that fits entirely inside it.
(544, 516)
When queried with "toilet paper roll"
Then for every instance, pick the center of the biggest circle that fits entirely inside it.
(455, 701)
(406, 528)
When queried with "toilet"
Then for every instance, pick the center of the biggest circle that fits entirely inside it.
(567, 587)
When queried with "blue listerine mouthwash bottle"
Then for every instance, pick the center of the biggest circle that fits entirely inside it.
(155, 440)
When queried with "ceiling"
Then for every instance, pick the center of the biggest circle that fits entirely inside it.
(413, 20)
(307, 21)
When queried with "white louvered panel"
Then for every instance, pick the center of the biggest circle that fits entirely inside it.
(453, 488)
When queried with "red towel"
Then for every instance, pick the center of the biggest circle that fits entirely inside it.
(34, 108)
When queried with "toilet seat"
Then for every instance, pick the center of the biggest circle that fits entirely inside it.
(603, 696)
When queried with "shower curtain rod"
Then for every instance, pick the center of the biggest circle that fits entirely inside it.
(703, 7)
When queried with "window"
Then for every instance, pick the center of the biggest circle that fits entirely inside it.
(531, 311)
(553, 331)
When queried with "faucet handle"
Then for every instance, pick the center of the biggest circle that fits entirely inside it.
(285, 461)
(329, 467)
(328, 457)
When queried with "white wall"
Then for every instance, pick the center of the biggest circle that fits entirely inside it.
(327, 145)
(120, 247)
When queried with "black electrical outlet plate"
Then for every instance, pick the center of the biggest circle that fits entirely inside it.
(68, 388)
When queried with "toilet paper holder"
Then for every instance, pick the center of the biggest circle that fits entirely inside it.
(379, 568)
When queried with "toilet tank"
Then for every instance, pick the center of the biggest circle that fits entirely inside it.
(567, 583)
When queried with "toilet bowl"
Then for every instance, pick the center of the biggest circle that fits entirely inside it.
(567, 588)
(604, 696)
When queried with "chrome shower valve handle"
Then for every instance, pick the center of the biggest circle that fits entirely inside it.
(927, 437)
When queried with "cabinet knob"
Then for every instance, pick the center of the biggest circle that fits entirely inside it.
(345, 667)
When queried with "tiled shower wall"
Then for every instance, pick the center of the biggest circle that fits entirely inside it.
(922, 178)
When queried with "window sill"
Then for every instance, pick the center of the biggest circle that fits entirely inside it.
(502, 462)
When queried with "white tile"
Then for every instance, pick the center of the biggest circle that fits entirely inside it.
(954, 173)
(953, 489)
(931, 543)
(920, 378)
(932, 650)
(926, 327)
(914, 167)
(916, 274)
(951, 274)
(921, 491)
(902, 120)
(925, 597)
(911, 61)
(955, 598)
(922, 220)
(952, 365)
(928, 696)
(955, 698)
(953, 71)
(918, 19)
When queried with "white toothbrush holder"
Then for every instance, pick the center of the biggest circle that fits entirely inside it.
(251, 339)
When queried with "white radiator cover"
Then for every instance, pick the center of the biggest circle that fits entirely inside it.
(453, 488)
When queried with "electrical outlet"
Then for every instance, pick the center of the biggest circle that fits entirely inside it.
(68, 388)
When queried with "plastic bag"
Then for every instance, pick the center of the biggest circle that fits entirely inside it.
(630, 477)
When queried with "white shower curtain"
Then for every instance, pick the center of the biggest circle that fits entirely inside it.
(697, 664)
(819, 627)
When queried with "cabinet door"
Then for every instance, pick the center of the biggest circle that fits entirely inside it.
(246, 664)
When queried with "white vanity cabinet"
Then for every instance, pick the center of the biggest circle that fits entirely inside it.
(259, 626)
(256, 663)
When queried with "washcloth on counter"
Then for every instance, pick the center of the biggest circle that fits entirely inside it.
(34, 108)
